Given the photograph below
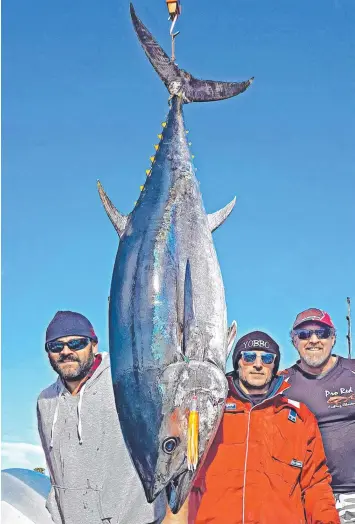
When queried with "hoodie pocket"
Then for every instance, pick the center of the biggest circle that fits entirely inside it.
(81, 505)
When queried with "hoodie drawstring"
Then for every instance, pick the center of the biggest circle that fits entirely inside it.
(79, 413)
(55, 418)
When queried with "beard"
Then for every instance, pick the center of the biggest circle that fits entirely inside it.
(314, 360)
(81, 370)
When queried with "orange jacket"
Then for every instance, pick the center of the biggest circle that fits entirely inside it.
(265, 466)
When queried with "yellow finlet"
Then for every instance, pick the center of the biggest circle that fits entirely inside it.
(152, 158)
(160, 136)
(192, 156)
(141, 188)
(156, 147)
(148, 171)
(163, 124)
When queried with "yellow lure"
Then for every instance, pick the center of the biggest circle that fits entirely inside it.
(192, 436)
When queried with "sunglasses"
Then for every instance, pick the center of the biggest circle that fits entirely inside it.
(76, 344)
(305, 334)
(249, 357)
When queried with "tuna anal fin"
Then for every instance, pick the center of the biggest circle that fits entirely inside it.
(118, 220)
(217, 218)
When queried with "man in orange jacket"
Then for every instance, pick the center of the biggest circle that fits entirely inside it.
(267, 463)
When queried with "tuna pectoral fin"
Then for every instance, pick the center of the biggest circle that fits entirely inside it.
(216, 219)
(118, 220)
(178, 81)
(231, 337)
(192, 346)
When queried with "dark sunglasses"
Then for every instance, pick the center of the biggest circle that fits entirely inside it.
(305, 334)
(56, 346)
(249, 357)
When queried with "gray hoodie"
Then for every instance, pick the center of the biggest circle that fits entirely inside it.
(93, 477)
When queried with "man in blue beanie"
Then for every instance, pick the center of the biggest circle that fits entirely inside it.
(92, 475)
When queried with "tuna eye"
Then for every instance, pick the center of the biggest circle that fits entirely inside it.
(170, 444)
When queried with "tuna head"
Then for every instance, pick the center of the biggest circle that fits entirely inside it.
(187, 388)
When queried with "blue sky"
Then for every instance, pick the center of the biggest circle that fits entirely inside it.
(81, 102)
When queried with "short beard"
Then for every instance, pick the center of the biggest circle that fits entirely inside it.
(316, 362)
(82, 370)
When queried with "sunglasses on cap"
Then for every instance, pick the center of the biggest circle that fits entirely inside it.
(305, 334)
(249, 357)
(76, 344)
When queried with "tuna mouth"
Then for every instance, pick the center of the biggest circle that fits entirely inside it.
(178, 489)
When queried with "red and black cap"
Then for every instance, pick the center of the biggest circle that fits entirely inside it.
(313, 315)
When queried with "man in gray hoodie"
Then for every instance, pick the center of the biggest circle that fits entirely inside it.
(92, 475)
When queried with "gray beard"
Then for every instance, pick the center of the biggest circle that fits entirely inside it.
(81, 372)
(317, 362)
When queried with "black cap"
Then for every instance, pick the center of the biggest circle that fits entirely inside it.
(256, 341)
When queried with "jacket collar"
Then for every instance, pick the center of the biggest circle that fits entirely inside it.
(277, 389)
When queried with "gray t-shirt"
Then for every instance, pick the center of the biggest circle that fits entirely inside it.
(331, 397)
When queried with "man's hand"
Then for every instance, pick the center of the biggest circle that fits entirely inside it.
(180, 518)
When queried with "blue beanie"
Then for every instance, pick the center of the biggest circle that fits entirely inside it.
(68, 323)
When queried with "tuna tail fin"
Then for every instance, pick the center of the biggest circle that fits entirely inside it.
(118, 220)
(178, 81)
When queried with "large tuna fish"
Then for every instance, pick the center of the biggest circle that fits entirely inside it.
(167, 316)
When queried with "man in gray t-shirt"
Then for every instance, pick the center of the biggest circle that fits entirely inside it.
(326, 384)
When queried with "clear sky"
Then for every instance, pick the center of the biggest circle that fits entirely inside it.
(81, 102)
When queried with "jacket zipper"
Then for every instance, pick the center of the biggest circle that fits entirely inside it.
(246, 453)
(245, 465)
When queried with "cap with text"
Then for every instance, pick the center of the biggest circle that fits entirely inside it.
(313, 315)
(255, 341)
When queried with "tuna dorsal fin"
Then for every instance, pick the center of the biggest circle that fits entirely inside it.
(118, 220)
(231, 337)
(217, 218)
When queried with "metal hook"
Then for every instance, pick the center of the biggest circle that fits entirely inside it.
(173, 36)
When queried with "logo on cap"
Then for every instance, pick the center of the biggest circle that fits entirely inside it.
(256, 344)
(314, 314)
